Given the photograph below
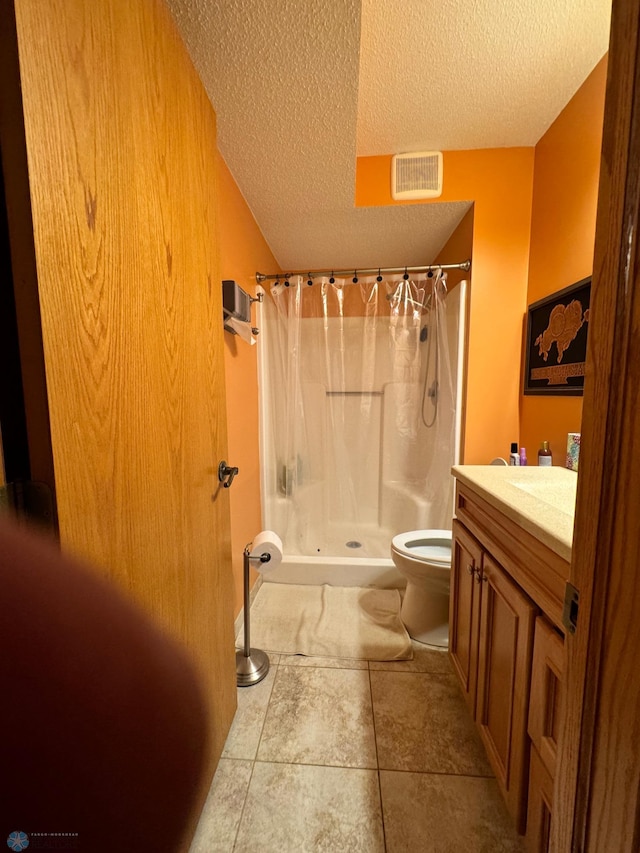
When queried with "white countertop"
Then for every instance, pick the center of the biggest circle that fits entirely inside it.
(541, 500)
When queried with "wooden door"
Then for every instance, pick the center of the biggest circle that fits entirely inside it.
(597, 787)
(507, 618)
(464, 600)
(3, 479)
(121, 148)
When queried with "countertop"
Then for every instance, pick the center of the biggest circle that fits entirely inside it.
(541, 500)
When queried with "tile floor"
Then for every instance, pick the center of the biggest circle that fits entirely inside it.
(347, 755)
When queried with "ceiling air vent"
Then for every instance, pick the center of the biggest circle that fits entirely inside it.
(416, 175)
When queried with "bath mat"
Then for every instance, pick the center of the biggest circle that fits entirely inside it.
(329, 621)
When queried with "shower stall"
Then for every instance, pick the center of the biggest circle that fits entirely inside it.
(360, 387)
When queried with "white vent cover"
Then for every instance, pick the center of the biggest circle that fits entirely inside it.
(416, 175)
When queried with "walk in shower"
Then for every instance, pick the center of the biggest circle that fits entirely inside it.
(360, 387)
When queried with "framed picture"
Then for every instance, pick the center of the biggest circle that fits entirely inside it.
(556, 350)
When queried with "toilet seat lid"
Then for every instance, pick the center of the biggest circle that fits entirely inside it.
(433, 546)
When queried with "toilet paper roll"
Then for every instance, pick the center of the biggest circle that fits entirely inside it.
(267, 542)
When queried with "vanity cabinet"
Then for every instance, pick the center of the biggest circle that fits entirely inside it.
(545, 709)
(464, 598)
(539, 805)
(506, 647)
(491, 640)
(507, 618)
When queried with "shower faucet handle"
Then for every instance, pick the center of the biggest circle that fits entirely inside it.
(226, 473)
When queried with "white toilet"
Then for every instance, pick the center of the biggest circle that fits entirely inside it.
(424, 558)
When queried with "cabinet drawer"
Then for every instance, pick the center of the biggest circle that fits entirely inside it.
(545, 706)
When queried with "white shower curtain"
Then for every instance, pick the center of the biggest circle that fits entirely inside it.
(361, 412)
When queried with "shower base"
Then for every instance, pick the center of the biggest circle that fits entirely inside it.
(337, 571)
(348, 555)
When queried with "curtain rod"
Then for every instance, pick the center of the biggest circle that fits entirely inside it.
(465, 265)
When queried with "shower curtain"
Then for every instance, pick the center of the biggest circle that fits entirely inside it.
(361, 412)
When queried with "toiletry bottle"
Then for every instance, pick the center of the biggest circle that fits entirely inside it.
(514, 459)
(544, 455)
(523, 455)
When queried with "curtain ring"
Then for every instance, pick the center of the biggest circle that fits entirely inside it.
(406, 275)
(355, 277)
(309, 279)
(379, 278)
(332, 279)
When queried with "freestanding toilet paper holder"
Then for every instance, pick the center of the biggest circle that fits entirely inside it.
(252, 665)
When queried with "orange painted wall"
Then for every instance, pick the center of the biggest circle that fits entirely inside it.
(459, 247)
(563, 222)
(500, 183)
(243, 251)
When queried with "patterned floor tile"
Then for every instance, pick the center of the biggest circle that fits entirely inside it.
(296, 808)
(319, 716)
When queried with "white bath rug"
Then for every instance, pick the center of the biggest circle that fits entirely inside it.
(329, 621)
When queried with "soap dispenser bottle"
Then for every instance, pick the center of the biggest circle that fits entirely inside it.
(514, 458)
(544, 455)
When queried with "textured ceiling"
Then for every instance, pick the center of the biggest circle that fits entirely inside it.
(297, 85)
(456, 74)
(346, 238)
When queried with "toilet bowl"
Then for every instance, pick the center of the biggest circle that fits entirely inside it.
(424, 558)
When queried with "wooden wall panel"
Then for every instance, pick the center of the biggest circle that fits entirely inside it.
(121, 145)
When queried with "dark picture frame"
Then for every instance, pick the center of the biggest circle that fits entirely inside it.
(556, 344)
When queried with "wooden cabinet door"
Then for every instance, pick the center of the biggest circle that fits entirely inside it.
(545, 708)
(540, 803)
(505, 648)
(121, 147)
(464, 600)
